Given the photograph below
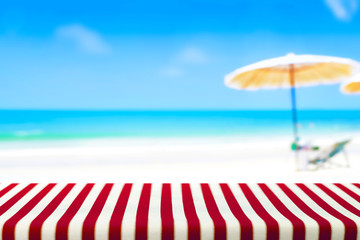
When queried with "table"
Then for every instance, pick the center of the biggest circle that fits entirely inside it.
(179, 211)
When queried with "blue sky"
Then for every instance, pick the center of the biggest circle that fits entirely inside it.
(165, 54)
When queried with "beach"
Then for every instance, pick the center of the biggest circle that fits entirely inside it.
(226, 159)
(170, 146)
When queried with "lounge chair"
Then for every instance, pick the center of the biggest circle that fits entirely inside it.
(325, 156)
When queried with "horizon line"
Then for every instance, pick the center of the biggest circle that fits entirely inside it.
(168, 110)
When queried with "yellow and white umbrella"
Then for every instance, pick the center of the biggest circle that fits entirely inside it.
(352, 85)
(292, 71)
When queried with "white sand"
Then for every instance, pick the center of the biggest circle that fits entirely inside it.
(167, 160)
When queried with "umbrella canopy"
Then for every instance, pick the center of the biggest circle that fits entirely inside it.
(352, 85)
(292, 71)
(307, 70)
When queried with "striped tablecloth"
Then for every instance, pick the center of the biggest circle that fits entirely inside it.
(179, 211)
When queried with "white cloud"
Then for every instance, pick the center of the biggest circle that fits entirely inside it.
(343, 9)
(192, 55)
(171, 71)
(181, 62)
(84, 38)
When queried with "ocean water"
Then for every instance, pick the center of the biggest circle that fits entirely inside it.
(53, 125)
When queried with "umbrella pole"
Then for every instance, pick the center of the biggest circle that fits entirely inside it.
(294, 113)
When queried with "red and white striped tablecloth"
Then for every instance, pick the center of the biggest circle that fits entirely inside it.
(179, 211)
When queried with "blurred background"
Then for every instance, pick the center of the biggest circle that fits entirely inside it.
(88, 84)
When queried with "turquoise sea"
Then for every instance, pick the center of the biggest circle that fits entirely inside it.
(52, 125)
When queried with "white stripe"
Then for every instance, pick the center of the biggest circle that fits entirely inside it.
(311, 226)
(285, 226)
(259, 226)
(206, 223)
(22, 227)
(3, 186)
(353, 188)
(180, 222)
(76, 224)
(154, 223)
(12, 193)
(232, 223)
(48, 229)
(103, 222)
(129, 220)
(17, 206)
(329, 200)
(337, 227)
(344, 195)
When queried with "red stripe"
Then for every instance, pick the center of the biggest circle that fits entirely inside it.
(356, 185)
(350, 225)
(15, 198)
(219, 222)
(36, 224)
(9, 226)
(271, 223)
(324, 225)
(63, 223)
(190, 213)
(142, 215)
(118, 213)
(7, 189)
(88, 231)
(167, 218)
(348, 191)
(339, 199)
(245, 223)
(298, 224)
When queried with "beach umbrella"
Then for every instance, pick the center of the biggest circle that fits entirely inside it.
(292, 71)
(352, 85)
